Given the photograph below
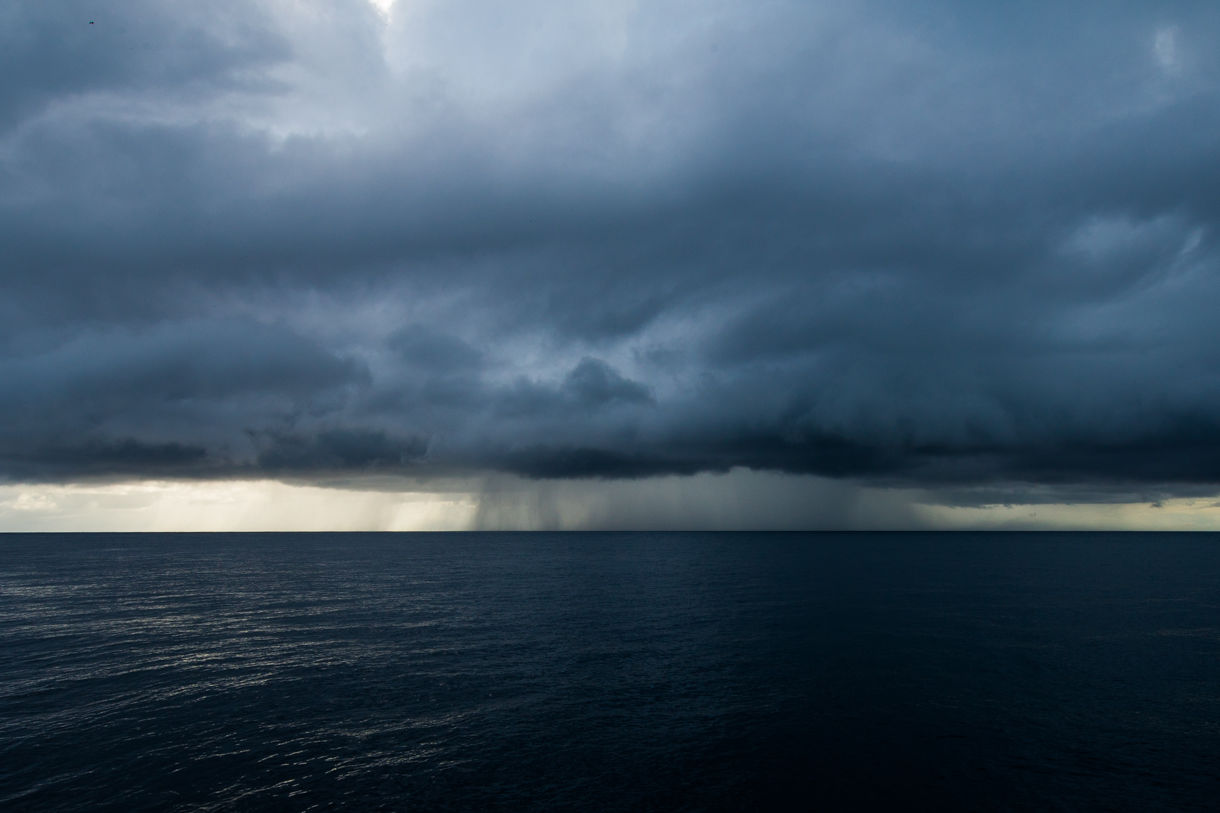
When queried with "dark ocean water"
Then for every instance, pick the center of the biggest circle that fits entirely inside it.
(610, 671)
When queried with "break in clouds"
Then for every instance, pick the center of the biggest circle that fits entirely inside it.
(938, 245)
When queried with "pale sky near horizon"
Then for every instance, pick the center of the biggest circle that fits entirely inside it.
(672, 264)
(756, 501)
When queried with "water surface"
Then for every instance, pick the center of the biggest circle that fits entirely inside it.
(609, 671)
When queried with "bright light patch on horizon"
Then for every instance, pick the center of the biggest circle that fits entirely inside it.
(1184, 514)
(237, 505)
(738, 500)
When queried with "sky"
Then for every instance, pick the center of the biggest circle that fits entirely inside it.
(666, 264)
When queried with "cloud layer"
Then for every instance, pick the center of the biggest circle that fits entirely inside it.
(945, 248)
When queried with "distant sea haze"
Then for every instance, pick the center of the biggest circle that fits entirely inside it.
(614, 671)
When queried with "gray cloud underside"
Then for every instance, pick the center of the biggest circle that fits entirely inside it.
(952, 249)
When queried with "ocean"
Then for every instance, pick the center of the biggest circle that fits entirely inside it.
(615, 671)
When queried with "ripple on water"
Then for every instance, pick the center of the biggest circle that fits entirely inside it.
(615, 671)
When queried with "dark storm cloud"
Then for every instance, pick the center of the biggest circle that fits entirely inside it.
(421, 348)
(163, 400)
(594, 382)
(59, 50)
(338, 450)
(953, 247)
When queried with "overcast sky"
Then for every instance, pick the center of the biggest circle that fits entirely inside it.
(966, 251)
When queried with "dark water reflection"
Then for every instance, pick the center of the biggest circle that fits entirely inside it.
(610, 671)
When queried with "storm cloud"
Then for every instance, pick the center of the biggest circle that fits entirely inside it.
(946, 248)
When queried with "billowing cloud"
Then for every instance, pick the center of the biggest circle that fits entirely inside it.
(958, 249)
